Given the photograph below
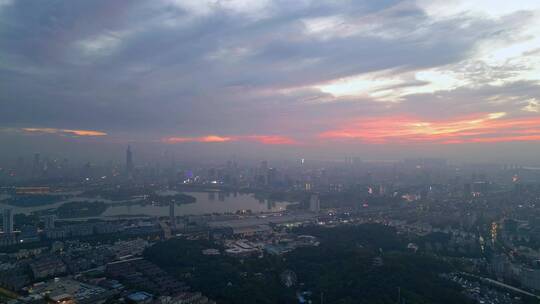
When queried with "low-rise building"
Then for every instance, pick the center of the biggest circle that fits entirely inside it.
(252, 231)
(129, 248)
(68, 290)
(186, 298)
(530, 278)
(241, 248)
(140, 297)
(47, 266)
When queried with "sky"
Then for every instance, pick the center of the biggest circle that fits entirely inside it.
(375, 79)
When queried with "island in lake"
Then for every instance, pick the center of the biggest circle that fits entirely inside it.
(33, 200)
(95, 208)
(81, 209)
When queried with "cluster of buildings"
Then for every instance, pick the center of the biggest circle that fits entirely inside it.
(272, 244)
(257, 235)
(519, 263)
(67, 290)
(51, 231)
(61, 258)
(67, 269)
(481, 292)
(26, 233)
(79, 272)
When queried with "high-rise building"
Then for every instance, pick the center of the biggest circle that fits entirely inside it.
(264, 166)
(172, 217)
(36, 166)
(129, 162)
(8, 221)
(49, 221)
(314, 203)
(20, 166)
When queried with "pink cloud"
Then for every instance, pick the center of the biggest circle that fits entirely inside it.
(202, 139)
(263, 139)
(488, 128)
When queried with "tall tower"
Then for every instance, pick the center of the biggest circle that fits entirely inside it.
(129, 162)
(8, 221)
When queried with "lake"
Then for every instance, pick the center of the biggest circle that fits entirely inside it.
(207, 202)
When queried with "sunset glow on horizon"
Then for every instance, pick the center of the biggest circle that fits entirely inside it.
(263, 139)
(202, 139)
(480, 128)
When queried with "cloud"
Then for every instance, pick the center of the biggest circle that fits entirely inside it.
(203, 8)
(4, 3)
(252, 69)
(104, 44)
(64, 131)
(392, 86)
(489, 8)
(533, 105)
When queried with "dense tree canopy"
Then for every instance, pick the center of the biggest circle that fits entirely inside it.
(353, 264)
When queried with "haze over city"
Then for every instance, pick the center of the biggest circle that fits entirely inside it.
(270, 151)
(320, 79)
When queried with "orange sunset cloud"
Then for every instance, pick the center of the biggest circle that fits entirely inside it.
(65, 131)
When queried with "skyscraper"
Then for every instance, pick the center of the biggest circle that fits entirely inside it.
(8, 221)
(129, 162)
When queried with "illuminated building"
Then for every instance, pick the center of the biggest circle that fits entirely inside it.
(32, 190)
